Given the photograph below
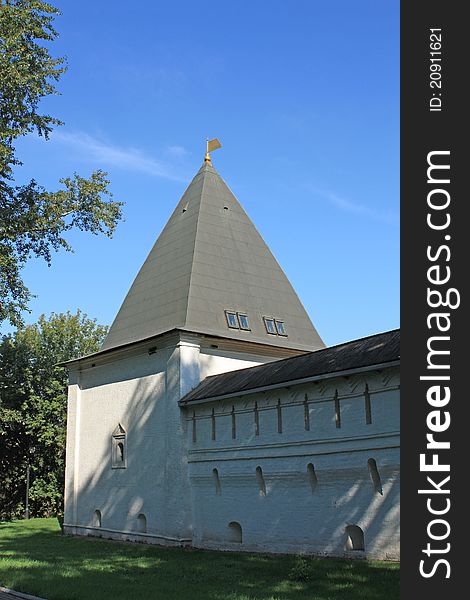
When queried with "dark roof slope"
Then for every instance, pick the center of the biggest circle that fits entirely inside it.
(373, 350)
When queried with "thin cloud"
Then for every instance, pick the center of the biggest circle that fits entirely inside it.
(177, 151)
(347, 205)
(130, 159)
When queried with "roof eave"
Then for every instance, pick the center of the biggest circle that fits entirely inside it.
(289, 383)
(293, 347)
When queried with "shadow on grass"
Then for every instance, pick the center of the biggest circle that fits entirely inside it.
(36, 558)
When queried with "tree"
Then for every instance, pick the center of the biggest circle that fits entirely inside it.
(34, 221)
(33, 401)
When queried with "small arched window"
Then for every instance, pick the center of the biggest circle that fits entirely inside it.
(256, 411)
(218, 488)
(312, 477)
(120, 455)
(375, 476)
(118, 448)
(234, 423)
(142, 523)
(260, 480)
(235, 532)
(213, 424)
(355, 540)
(97, 518)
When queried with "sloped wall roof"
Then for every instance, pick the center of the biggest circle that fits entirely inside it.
(381, 348)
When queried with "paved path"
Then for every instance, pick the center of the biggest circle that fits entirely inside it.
(6, 594)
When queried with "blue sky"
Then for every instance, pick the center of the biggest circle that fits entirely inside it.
(304, 97)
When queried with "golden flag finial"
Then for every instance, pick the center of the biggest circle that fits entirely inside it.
(210, 146)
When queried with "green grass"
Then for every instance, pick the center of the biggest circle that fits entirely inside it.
(37, 559)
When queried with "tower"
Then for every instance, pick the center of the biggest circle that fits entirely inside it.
(209, 298)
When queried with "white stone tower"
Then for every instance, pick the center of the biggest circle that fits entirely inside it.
(209, 298)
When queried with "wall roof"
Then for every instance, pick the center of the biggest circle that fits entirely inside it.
(379, 349)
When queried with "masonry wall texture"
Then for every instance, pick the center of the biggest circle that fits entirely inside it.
(140, 392)
(300, 511)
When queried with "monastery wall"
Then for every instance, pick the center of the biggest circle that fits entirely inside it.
(300, 469)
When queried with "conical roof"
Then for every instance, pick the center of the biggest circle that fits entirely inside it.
(210, 259)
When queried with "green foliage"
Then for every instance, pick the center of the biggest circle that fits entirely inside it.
(33, 221)
(33, 400)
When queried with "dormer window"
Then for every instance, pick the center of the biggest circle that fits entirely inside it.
(270, 327)
(275, 326)
(232, 320)
(243, 320)
(237, 320)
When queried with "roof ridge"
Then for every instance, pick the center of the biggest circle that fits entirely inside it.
(203, 170)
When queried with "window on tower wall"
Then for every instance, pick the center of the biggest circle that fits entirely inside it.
(275, 326)
(232, 319)
(243, 320)
(118, 448)
(237, 320)
(269, 324)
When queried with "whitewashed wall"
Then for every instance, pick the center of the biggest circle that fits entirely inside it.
(171, 456)
(139, 391)
(291, 516)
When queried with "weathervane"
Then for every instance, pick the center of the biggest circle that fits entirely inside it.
(210, 146)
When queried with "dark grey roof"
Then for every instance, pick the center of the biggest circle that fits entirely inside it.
(378, 349)
(210, 258)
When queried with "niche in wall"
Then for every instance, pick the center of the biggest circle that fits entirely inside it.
(355, 540)
(235, 532)
(97, 518)
(142, 523)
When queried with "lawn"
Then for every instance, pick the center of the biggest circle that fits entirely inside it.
(37, 559)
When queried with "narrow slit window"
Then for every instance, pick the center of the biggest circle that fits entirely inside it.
(367, 405)
(306, 414)
(270, 326)
(312, 477)
(279, 417)
(194, 427)
(243, 320)
(120, 456)
(256, 411)
(375, 476)
(234, 423)
(232, 319)
(260, 480)
(218, 488)
(280, 327)
(213, 424)
(337, 410)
